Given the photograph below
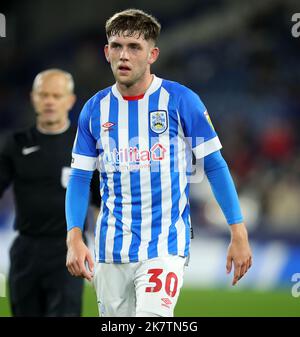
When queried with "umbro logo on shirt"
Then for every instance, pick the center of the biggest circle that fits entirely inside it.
(27, 150)
(107, 125)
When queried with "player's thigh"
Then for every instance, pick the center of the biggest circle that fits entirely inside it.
(158, 282)
(115, 291)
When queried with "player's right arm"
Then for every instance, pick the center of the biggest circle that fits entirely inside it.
(78, 254)
(84, 158)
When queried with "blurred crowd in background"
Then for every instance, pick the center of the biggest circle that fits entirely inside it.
(239, 56)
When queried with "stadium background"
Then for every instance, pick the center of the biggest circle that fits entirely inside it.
(243, 61)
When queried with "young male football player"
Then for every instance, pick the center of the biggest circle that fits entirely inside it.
(141, 132)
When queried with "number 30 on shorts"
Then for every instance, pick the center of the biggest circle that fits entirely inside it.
(171, 282)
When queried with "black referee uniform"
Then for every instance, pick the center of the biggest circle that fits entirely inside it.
(38, 165)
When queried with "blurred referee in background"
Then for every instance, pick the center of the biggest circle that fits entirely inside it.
(37, 162)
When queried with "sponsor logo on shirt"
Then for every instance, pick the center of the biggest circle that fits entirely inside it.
(133, 158)
(134, 155)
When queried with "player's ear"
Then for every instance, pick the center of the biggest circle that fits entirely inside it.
(106, 53)
(153, 55)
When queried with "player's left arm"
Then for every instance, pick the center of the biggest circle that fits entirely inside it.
(239, 252)
(205, 143)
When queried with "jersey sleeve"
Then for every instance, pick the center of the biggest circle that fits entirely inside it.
(84, 153)
(222, 184)
(77, 194)
(197, 125)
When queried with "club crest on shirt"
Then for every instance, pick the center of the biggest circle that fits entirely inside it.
(158, 121)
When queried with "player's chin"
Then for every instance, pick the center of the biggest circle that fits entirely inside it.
(125, 81)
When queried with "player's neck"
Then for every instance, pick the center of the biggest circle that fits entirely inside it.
(138, 88)
(55, 128)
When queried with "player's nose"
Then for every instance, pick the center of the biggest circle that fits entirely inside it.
(124, 55)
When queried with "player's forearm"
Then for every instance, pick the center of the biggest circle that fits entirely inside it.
(77, 198)
(223, 187)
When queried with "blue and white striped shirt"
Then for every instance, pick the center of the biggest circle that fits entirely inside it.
(143, 148)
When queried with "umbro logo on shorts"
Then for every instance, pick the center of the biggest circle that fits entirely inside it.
(166, 302)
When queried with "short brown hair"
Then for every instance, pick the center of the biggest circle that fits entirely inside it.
(133, 21)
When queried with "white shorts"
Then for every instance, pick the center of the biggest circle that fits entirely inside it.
(143, 288)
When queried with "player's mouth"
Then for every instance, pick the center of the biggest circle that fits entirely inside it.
(123, 69)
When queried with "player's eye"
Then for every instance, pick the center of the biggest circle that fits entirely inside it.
(135, 47)
(115, 46)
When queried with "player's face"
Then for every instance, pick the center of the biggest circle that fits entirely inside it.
(52, 100)
(130, 58)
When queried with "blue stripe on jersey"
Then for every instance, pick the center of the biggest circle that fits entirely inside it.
(104, 220)
(175, 185)
(155, 186)
(135, 185)
(113, 133)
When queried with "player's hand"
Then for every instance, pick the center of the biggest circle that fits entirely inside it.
(78, 254)
(239, 252)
